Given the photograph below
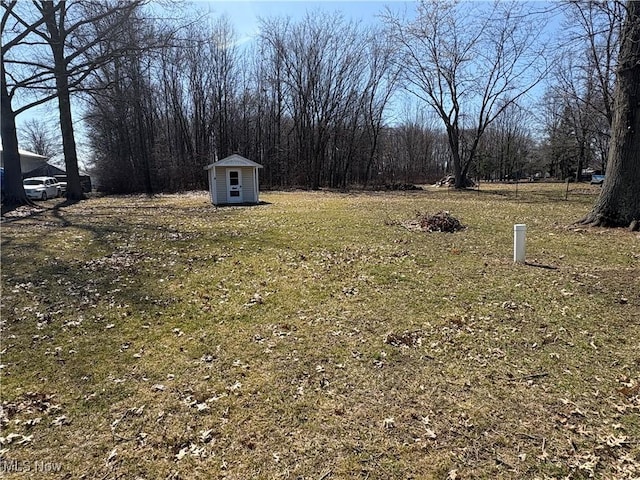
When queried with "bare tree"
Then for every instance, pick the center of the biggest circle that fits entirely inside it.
(76, 34)
(469, 66)
(15, 35)
(572, 98)
(13, 191)
(560, 147)
(594, 27)
(582, 85)
(122, 115)
(619, 201)
(505, 148)
(308, 103)
(323, 66)
(381, 85)
(38, 137)
(167, 108)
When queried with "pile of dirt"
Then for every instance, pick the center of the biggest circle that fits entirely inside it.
(442, 221)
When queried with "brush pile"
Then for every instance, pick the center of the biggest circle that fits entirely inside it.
(402, 186)
(439, 222)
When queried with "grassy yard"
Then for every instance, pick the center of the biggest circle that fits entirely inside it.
(315, 337)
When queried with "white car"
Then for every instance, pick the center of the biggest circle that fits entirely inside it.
(41, 188)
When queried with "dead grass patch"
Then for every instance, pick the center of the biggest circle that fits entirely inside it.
(314, 337)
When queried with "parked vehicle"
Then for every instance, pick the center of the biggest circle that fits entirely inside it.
(597, 179)
(85, 183)
(41, 188)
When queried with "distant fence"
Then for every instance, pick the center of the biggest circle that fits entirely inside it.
(536, 190)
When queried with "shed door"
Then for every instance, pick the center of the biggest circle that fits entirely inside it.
(234, 186)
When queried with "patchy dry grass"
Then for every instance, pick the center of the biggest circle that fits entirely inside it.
(314, 337)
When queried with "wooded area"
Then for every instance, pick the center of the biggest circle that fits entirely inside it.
(472, 89)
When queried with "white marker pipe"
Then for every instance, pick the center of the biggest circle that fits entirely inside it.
(519, 242)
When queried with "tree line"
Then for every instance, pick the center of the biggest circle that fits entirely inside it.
(308, 101)
(315, 101)
(321, 101)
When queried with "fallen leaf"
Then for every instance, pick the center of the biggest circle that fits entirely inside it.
(33, 421)
(183, 451)
(112, 455)
(9, 438)
(138, 411)
(60, 421)
(430, 434)
(616, 441)
(235, 386)
(25, 439)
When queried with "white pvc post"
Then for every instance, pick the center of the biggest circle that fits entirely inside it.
(519, 242)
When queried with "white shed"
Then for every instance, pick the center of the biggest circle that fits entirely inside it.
(233, 179)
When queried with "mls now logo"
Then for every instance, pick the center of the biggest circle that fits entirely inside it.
(21, 466)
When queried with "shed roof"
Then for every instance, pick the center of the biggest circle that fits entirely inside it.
(234, 160)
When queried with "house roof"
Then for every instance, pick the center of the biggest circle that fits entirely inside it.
(26, 153)
(31, 154)
(46, 170)
(234, 160)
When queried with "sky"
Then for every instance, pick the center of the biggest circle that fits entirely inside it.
(245, 13)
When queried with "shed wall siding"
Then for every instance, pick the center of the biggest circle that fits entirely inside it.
(248, 186)
(211, 186)
(221, 184)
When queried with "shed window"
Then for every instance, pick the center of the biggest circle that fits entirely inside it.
(233, 178)
(234, 193)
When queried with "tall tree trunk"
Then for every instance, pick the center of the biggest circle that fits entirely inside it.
(13, 191)
(74, 188)
(57, 44)
(619, 201)
(459, 174)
